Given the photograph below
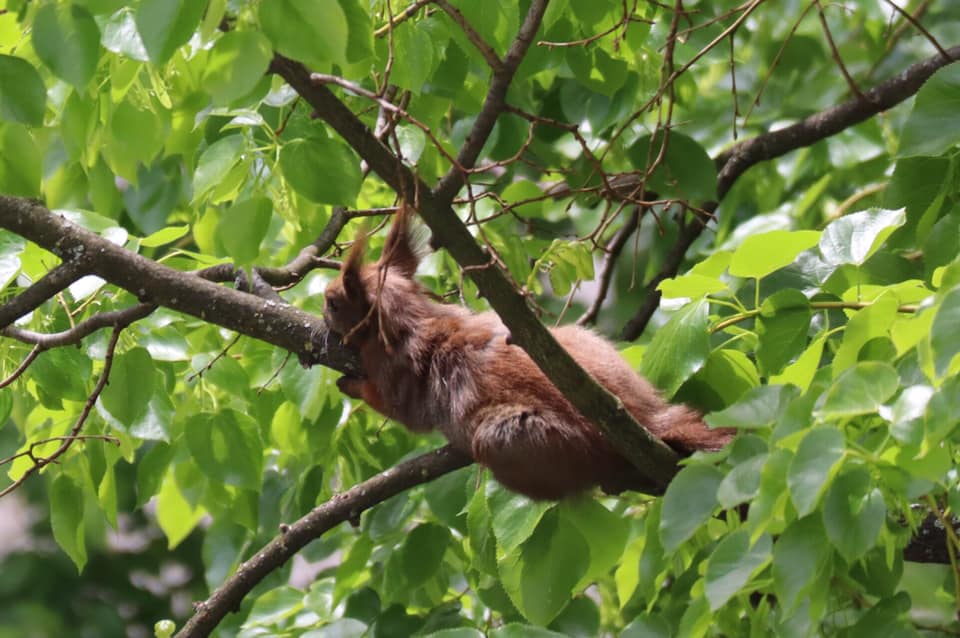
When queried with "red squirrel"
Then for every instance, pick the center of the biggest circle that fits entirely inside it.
(432, 365)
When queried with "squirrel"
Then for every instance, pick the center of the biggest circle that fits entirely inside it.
(432, 365)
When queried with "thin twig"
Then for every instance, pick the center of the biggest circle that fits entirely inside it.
(406, 14)
(40, 462)
(610, 257)
(31, 356)
(919, 27)
(491, 57)
(836, 53)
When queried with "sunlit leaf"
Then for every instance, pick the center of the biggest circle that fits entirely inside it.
(753, 258)
(678, 349)
(853, 238)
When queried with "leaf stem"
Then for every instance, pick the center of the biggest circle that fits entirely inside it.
(815, 305)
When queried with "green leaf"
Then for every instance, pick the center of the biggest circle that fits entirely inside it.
(274, 606)
(540, 578)
(691, 285)
(6, 403)
(236, 65)
(800, 373)
(799, 558)
(731, 565)
(782, 328)
(933, 125)
(679, 348)
(66, 517)
(63, 373)
(943, 333)
(67, 40)
(686, 170)
(517, 630)
(871, 322)
(688, 502)
(414, 58)
(727, 375)
(216, 163)
(566, 262)
(227, 447)
(130, 385)
(322, 170)
(166, 25)
(514, 517)
(311, 31)
(606, 533)
(647, 626)
(359, 33)
(861, 389)
(20, 162)
(422, 552)
(853, 513)
(150, 471)
(742, 483)
(760, 407)
(906, 414)
(760, 255)
(819, 453)
(176, 515)
(136, 135)
(164, 236)
(23, 97)
(120, 36)
(885, 619)
(581, 617)
(243, 226)
(853, 238)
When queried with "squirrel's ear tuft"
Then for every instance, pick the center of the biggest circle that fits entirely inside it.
(400, 251)
(350, 270)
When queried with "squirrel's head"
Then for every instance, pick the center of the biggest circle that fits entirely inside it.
(351, 300)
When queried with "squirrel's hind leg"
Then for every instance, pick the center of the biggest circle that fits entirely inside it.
(534, 452)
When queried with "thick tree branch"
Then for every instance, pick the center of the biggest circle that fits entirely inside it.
(280, 324)
(343, 507)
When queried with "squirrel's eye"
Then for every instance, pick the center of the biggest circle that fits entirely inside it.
(331, 305)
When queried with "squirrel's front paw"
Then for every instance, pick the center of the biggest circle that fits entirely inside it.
(351, 386)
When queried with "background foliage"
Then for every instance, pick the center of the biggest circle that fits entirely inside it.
(818, 313)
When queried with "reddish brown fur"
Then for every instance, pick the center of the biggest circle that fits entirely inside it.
(432, 365)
